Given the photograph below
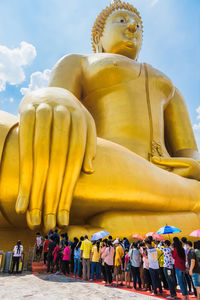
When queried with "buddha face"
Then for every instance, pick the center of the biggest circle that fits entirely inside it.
(122, 34)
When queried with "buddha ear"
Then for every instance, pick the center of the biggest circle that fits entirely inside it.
(98, 43)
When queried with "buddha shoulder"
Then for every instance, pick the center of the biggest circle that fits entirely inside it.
(159, 81)
(70, 62)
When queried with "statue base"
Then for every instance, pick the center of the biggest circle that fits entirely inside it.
(119, 224)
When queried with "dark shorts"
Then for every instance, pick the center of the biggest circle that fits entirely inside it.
(39, 250)
(117, 270)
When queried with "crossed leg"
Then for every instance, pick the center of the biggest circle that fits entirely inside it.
(122, 181)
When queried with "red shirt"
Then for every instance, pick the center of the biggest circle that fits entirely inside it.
(46, 243)
(179, 262)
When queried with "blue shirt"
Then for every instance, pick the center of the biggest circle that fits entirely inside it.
(77, 253)
(134, 255)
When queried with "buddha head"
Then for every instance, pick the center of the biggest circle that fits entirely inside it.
(118, 29)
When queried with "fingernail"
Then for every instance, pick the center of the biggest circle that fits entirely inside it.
(21, 206)
(63, 218)
(35, 217)
(49, 221)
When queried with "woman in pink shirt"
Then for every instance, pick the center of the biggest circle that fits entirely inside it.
(108, 257)
(66, 258)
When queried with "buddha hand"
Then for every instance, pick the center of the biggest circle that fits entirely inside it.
(57, 137)
(183, 166)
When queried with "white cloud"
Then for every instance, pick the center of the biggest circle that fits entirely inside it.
(11, 100)
(38, 80)
(12, 62)
(154, 2)
(196, 128)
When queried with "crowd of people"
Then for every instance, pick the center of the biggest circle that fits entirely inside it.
(148, 265)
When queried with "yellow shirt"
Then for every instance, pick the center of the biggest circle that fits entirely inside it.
(86, 247)
(119, 253)
(160, 258)
(96, 254)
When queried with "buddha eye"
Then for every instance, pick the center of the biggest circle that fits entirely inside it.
(120, 20)
(138, 26)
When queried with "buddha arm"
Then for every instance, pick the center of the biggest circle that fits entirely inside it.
(67, 74)
(178, 129)
(179, 136)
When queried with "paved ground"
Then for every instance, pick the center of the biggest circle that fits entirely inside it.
(52, 287)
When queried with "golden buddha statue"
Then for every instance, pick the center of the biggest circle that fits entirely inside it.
(108, 144)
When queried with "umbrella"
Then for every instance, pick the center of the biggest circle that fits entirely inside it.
(150, 234)
(137, 237)
(155, 236)
(168, 229)
(195, 233)
(158, 237)
(99, 235)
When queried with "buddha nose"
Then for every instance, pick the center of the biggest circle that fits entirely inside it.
(132, 27)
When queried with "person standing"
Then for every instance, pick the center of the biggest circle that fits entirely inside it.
(66, 258)
(178, 254)
(103, 269)
(56, 252)
(153, 267)
(50, 249)
(17, 254)
(86, 247)
(108, 258)
(55, 237)
(169, 269)
(194, 268)
(45, 249)
(188, 278)
(39, 246)
(119, 253)
(135, 260)
(127, 269)
(73, 246)
(147, 277)
(95, 257)
(161, 265)
(77, 256)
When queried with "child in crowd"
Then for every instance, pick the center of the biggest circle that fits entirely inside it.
(39, 246)
(147, 278)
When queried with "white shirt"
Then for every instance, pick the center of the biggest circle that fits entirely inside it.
(153, 258)
(39, 241)
(18, 252)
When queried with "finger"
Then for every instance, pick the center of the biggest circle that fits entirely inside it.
(59, 149)
(90, 150)
(26, 137)
(73, 165)
(41, 161)
(174, 162)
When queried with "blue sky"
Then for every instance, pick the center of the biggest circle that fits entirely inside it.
(35, 34)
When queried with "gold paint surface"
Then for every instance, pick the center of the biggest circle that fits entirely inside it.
(109, 144)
